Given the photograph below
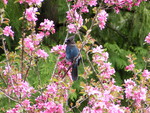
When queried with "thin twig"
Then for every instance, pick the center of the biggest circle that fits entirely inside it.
(79, 103)
(58, 59)
(8, 65)
(94, 69)
(28, 69)
(10, 97)
(3, 79)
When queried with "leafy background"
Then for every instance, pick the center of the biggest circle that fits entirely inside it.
(124, 34)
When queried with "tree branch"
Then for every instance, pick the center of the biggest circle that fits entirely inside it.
(10, 97)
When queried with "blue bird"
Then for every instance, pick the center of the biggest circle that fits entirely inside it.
(72, 55)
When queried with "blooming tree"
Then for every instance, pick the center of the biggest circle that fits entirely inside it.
(101, 95)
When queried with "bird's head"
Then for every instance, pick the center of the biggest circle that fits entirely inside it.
(70, 40)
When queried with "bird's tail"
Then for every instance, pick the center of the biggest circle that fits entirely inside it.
(74, 72)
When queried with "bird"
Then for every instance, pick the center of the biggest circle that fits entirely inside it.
(72, 55)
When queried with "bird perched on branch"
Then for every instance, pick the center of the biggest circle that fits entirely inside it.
(73, 55)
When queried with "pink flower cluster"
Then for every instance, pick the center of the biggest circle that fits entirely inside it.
(8, 32)
(83, 5)
(45, 103)
(135, 92)
(74, 17)
(30, 14)
(47, 26)
(31, 45)
(130, 67)
(123, 3)
(59, 49)
(75, 21)
(5, 1)
(52, 92)
(146, 74)
(18, 87)
(101, 100)
(31, 41)
(41, 53)
(62, 66)
(6, 70)
(31, 2)
(100, 57)
(102, 18)
(28, 43)
(147, 39)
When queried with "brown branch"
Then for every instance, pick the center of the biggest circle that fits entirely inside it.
(10, 97)
(3, 79)
(118, 32)
(94, 70)
(79, 103)
(22, 54)
(28, 69)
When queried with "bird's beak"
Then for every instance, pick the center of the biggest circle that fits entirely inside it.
(66, 41)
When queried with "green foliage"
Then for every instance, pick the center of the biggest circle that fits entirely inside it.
(13, 13)
(124, 34)
(42, 72)
(117, 55)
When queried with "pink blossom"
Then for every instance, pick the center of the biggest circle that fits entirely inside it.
(92, 2)
(130, 67)
(70, 15)
(129, 82)
(147, 39)
(98, 49)
(84, 9)
(115, 109)
(102, 18)
(47, 26)
(84, 3)
(52, 107)
(52, 89)
(19, 88)
(129, 91)
(106, 70)
(42, 53)
(146, 74)
(8, 32)
(86, 110)
(30, 14)
(119, 4)
(58, 48)
(75, 21)
(135, 92)
(28, 43)
(5, 1)
(139, 94)
(98, 107)
(38, 38)
(72, 28)
(92, 91)
(31, 2)
(7, 70)
(26, 104)
(14, 110)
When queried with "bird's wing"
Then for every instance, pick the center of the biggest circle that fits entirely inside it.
(71, 52)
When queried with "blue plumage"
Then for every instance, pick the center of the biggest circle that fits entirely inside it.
(72, 53)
